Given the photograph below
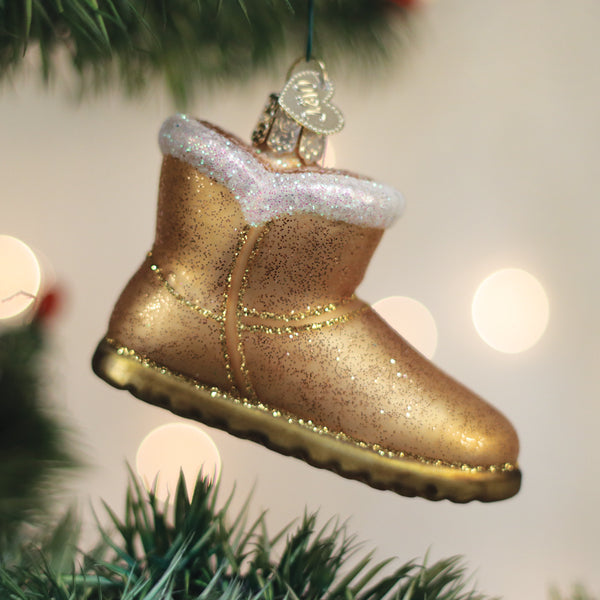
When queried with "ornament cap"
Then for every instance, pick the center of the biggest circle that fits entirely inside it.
(297, 121)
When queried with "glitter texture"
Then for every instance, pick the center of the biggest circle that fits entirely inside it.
(259, 314)
(264, 194)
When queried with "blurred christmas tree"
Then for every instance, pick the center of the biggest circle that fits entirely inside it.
(34, 445)
(188, 43)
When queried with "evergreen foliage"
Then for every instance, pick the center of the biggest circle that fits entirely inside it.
(34, 448)
(187, 43)
(191, 550)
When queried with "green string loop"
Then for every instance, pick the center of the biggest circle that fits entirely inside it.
(310, 30)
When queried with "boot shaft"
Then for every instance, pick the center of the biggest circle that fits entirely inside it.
(305, 262)
(198, 229)
(300, 257)
(296, 262)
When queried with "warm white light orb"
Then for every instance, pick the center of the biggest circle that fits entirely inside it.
(510, 310)
(20, 277)
(412, 320)
(172, 448)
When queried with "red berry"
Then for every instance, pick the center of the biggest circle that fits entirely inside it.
(48, 305)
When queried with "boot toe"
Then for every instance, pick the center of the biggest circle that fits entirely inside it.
(492, 441)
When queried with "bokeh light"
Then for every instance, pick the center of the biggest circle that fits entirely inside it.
(510, 310)
(20, 277)
(412, 320)
(173, 448)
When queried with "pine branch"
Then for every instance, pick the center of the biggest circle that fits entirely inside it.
(34, 445)
(186, 43)
(578, 592)
(193, 550)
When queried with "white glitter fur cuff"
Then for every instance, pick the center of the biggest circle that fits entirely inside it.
(264, 194)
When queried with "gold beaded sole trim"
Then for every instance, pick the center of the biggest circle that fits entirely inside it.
(402, 473)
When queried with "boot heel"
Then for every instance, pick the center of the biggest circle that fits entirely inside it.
(124, 369)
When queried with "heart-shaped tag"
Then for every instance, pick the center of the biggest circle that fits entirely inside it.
(305, 99)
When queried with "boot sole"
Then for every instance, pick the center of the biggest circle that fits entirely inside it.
(406, 475)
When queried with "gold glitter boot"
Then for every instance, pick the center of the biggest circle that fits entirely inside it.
(244, 317)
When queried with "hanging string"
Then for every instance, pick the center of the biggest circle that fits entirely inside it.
(310, 30)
